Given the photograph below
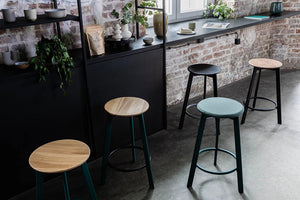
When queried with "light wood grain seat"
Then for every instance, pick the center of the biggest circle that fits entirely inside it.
(126, 106)
(265, 63)
(61, 156)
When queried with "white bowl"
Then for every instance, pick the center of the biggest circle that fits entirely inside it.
(55, 13)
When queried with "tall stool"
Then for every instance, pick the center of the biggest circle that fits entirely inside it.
(219, 107)
(61, 156)
(206, 70)
(259, 64)
(127, 107)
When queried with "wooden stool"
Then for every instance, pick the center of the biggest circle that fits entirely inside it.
(259, 64)
(205, 70)
(127, 107)
(61, 156)
(219, 107)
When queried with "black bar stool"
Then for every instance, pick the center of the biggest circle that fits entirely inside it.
(259, 64)
(198, 70)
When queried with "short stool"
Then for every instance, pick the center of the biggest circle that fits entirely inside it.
(127, 107)
(259, 64)
(206, 70)
(219, 107)
(61, 156)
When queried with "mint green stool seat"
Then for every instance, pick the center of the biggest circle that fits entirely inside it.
(219, 107)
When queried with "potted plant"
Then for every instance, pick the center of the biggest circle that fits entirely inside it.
(219, 10)
(125, 18)
(52, 56)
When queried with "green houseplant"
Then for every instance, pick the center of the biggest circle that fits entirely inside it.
(219, 10)
(142, 16)
(125, 16)
(52, 56)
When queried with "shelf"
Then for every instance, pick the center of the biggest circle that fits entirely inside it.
(41, 19)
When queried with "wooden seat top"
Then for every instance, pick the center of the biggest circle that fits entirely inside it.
(59, 156)
(126, 106)
(265, 63)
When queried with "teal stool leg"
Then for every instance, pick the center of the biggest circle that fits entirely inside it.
(132, 139)
(196, 150)
(39, 185)
(106, 149)
(66, 187)
(238, 154)
(217, 139)
(89, 181)
(146, 151)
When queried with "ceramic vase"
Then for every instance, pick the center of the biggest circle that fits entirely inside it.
(276, 8)
(126, 34)
(9, 58)
(158, 24)
(117, 33)
(30, 14)
(9, 15)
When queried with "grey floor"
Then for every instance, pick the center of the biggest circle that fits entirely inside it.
(270, 154)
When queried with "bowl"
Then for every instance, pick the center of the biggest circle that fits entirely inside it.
(22, 65)
(55, 13)
(148, 40)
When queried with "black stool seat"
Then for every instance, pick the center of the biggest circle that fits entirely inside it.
(198, 70)
(204, 69)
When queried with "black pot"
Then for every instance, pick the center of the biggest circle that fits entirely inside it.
(276, 8)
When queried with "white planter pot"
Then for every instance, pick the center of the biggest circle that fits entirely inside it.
(126, 34)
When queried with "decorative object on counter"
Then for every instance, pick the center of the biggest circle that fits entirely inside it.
(186, 31)
(7, 58)
(215, 25)
(30, 14)
(125, 18)
(219, 10)
(22, 65)
(55, 13)
(52, 56)
(94, 35)
(148, 40)
(276, 8)
(113, 46)
(117, 33)
(30, 50)
(126, 34)
(192, 26)
(158, 24)
(9, 15)
(256, 17)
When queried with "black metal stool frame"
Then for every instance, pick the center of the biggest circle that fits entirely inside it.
(278, 95)
(187, 95)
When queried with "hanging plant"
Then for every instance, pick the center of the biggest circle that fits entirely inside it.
(52, 55)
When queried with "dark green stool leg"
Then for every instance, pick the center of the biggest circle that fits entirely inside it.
(132, 139)
(66, 187)
(39, 180)
(279, 120)
(146, 151)
(186, 99)
(106, 149)
(196, 151)
(256, 89)
(89, 181)
(238, 154)
(217, 139)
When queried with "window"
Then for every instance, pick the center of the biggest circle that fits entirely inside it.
(179, 10)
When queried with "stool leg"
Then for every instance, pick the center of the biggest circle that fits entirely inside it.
(217, 139)
(256, 89)
(249, 95)
(215, 85)
(204, 87)
(146, 151)
(186, 99)
(66, 187)
(106, 149)
(89, 181)
(132, 139)
(196, 151)
(39, 185)
(238, 154)
(279, 121)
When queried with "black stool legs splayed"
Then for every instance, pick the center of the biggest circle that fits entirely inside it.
(259, 64)
(219, 107)
(205, 70)
(127, 107)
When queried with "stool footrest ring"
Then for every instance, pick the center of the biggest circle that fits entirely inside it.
(125, 169)
(260, 109)
(215, 172)
(190, 114)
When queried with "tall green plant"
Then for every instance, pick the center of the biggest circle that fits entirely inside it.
(219, 10)
(142, 16)
(126, 15)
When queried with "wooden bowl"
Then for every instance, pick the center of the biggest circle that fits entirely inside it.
(22, 65)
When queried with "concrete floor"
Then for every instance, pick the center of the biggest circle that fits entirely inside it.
(270, 154)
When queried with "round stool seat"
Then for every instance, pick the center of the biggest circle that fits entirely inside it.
(59, 156)
(220, 107)
(126, 106)
(204, 69)
(265, 63)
